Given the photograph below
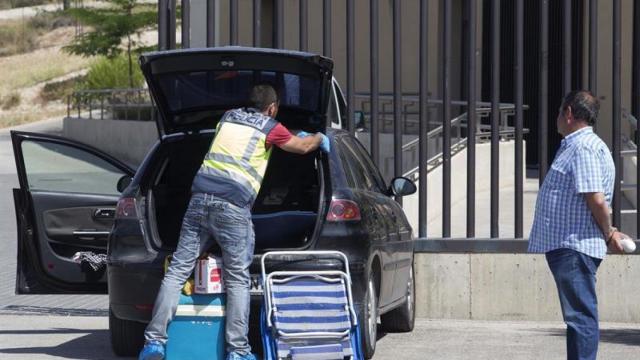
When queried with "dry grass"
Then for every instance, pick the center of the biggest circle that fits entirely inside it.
(22, 117)
(25, 70)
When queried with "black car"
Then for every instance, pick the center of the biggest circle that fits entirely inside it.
(74, 198)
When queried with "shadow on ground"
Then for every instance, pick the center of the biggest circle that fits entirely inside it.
(51, 311)
(629, 337)
(94, 345)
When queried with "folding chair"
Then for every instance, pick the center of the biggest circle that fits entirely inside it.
(309, 315)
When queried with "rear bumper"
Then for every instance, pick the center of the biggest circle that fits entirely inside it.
(133, 290)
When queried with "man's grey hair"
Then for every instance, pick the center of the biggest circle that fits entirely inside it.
(584, 106)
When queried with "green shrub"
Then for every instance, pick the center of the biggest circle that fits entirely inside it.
(112, 73)
(10, 101)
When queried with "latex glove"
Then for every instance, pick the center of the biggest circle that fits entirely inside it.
(325, 145)
(302, 134)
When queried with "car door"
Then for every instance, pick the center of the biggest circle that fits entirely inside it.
(377, 203)
(65, 205)
(400, 239)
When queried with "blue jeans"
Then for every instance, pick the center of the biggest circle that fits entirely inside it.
(575, 276)
(209, 219)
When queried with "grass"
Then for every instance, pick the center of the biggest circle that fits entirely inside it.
(10, 101)
(22, 36)
(17, 37)
(24, 117)
(12, 4)
(41, 65)
(59, 90)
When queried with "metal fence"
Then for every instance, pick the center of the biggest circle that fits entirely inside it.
(112, 104)
(486, 121)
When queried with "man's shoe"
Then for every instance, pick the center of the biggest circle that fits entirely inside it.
(236, 356)
(152, 350)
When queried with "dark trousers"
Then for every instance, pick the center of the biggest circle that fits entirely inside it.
(575, 276)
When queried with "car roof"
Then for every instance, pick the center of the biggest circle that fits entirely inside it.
(333, 132)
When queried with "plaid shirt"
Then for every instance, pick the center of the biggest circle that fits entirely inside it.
(562, 218)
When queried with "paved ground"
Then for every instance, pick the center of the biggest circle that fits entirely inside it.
(85, 337)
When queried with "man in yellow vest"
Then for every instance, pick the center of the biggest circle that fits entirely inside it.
(223, 193)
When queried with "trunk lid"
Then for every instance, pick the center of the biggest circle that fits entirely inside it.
(192, 88)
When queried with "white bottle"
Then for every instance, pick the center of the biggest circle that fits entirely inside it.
(628, 245)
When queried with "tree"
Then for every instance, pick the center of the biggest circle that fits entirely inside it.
(121, 20)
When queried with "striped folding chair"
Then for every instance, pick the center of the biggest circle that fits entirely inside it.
(309, 315)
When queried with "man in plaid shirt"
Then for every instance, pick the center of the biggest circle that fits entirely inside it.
(571, 224)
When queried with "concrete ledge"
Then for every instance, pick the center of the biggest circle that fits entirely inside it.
(494, 286)
(495, 246)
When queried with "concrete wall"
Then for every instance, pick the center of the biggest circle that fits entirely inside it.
(128, 141)
(516, 287)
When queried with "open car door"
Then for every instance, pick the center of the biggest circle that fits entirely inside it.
(65, 205)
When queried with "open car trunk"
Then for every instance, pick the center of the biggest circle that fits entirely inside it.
(287, 211)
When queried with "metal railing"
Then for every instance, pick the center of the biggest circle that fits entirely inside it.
(484, 134)
(112, 104)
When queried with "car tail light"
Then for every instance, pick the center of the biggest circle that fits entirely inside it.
(343, 210)
(126, 209)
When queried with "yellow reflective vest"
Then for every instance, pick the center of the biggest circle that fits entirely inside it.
(234, 167)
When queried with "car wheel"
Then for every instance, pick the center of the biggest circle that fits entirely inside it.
(368, 319)
(402, 319)
(127, 337)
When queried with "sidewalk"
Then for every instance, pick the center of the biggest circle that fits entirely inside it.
(479, 340)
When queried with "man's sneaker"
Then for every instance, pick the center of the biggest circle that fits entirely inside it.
(236, 356)
(152, 350)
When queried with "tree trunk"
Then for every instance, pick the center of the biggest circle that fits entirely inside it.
(130, 61)
(66, 4)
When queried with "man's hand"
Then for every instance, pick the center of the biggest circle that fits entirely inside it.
(325, 145)
(304, 143)
(614, 244)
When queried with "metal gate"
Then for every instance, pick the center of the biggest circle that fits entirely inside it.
(456, 122)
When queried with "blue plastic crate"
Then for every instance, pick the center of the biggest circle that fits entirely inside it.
(197, 330)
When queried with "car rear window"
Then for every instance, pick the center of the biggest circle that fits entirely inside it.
(226, 89)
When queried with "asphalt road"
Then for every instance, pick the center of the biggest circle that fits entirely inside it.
(76, 327)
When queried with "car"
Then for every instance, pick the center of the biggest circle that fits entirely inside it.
(74, 198)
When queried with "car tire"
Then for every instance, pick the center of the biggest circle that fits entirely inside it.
(368, 319)
(403, 318)
(127, 337)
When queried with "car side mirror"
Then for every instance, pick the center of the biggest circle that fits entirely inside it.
(123, 183)
(358, 120)
(401, 186)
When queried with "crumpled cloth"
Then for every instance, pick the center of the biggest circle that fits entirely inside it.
(96, 261)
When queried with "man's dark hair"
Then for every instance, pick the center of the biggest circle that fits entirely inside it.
(263, 95)
(584, 106)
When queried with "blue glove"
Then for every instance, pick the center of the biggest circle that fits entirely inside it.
(302, 134)
(325, 145)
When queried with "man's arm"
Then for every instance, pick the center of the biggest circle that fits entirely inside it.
(303, 145)
(600, 211)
